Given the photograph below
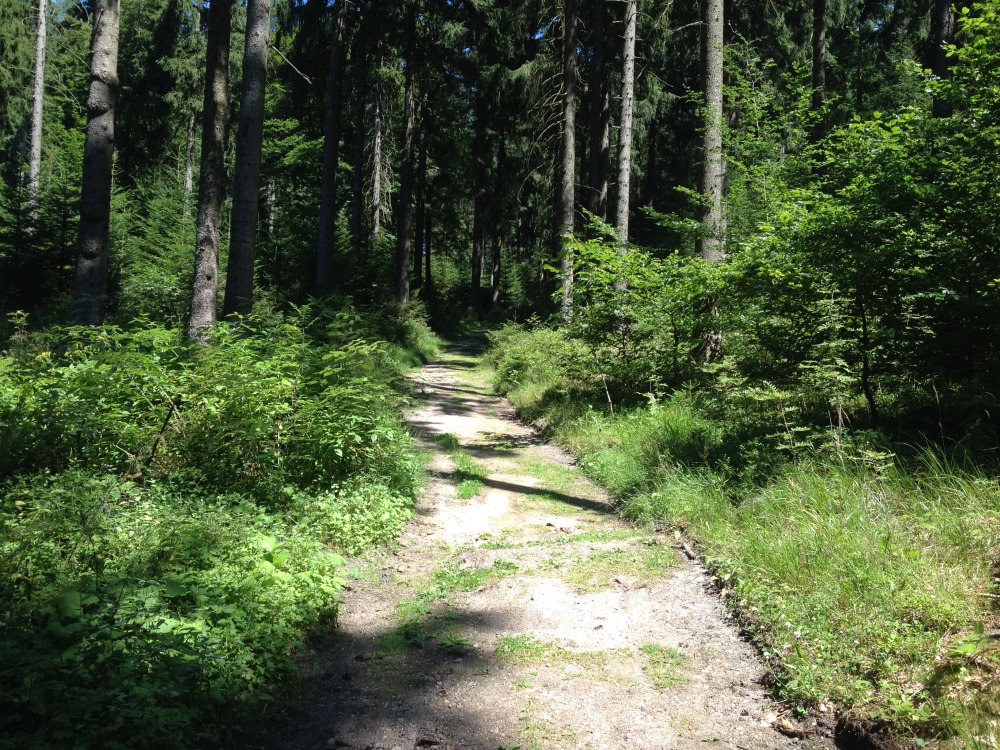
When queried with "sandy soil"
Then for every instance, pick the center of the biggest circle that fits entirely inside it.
(586, 632)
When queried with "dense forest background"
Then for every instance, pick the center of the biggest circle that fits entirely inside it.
(739, 240)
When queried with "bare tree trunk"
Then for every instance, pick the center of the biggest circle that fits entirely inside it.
(427, 255)
(600, 113)
(498, 224)
(819, 54)
(90, 284)
(625, 132)
(358, 182)
(189, 161)
(942, 34)
(271, 203)
(818, 66)
(37, 108)
(327, 238)
(238, 298)
(565, 190)
(712, 244)
(212, 183)
(418, 242)
(479, 178)
(404, 240)
(375, 208)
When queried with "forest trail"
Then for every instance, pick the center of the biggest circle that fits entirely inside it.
(519, 612)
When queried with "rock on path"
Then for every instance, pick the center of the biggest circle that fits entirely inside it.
(548, 623)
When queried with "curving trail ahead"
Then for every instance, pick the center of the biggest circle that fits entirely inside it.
(519, 612)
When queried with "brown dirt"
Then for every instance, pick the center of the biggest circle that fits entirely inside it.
(588, 593)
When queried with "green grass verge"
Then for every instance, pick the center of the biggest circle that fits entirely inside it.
(865, 584)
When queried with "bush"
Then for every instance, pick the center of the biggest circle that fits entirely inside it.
(172, 519)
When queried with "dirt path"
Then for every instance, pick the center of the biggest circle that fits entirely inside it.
(518, 612)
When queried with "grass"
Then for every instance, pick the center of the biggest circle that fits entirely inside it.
(662, 664)
(861, 580)
(594, 572)
(523, 649)
(451, 579)
(469, 474)
(488, 541)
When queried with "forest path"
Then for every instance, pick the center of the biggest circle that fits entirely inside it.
(518, 611)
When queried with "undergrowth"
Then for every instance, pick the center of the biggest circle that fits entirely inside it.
(173, 518)
(867, 580)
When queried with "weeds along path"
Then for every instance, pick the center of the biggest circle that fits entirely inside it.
(519, 612)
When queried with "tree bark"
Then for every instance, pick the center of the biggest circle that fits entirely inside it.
(358, 182)
(625, 132)
(427, 256)
(212, 182)
(246, 182)
(404, 240)
(479, 202)
(418, 242)
(90, 284)
(498, 223)
(565, 190)
(819, 54)
(375, 209)
(37, 108)
(712, 244)
(189, 161)
(942, 33)
(327, 238)
(600, 113)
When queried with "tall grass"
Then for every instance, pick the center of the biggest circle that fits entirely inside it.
(863, 579)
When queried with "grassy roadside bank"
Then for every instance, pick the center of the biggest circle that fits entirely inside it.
(868, 583)
(173, 519)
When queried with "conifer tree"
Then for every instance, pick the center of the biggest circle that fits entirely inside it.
(90, 285)
(212, 186)
(246, 183)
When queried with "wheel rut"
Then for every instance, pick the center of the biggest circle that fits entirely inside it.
(518, 611)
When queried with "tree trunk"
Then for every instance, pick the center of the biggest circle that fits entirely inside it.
(418, 243)
(375, 208)
(565, 190)
(625, 133)
(327, 238)
(189, 161)
(246, 182)
(712, 243)
(212, 182)
(819, 54)
(358, 181)
(404, 240)
(479, 178)
(427, 256)
(90, 284)
(37, 107)
(498, 223)
(271, 203)
(600, 113)
(942, 34)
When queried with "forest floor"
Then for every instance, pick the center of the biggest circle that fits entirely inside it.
(518, 611)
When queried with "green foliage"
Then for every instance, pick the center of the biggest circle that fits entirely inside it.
(171, 517)
(538, 367)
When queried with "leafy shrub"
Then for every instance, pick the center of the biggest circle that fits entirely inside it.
(539, 367)
(137, 616)
(171, 519)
